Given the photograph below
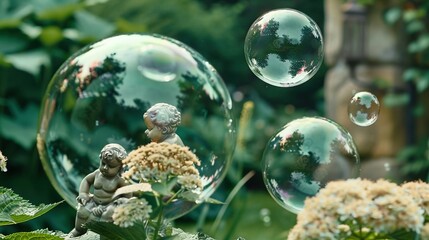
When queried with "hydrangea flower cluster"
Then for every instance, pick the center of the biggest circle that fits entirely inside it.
(357, 208)
(420, 192)
(3, 161)
(161, 162)
(425, 232)
(131, 211)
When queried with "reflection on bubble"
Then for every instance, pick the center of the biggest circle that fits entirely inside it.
(284, 48)
(304, 156)
(99, 96)
(364, 109)
(157, 63)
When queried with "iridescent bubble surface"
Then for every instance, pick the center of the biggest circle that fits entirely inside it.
(284, 48)
(364, 109)
(98, 96)
(303, 156)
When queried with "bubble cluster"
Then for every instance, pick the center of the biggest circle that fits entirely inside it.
(284, 48)
(98, 96)
(303, 156)
(363, 109)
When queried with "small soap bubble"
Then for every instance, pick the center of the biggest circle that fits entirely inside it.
(363, 109)
(284, 48)
(303, 156)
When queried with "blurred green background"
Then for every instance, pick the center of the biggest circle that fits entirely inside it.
(37, 36)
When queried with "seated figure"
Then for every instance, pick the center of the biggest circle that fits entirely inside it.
(105, 181)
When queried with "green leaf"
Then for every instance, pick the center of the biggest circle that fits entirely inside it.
(402, 235)
(412, 14)
(4, 217)
(30, 30)
(162, 189)
(423, 41)
(59, 13)
(21, 127)
(51, 35)
(213, 201)
(31, 236)
(413, 47)
(93, 26)
(18, 209)
(112, 231)
(393, 15)
(411, 74)
(12, 42)
(415, 26)
(422, 84)
(189, 196)
(9, 23)
(30, 61)
(396, 99)
(165, 189)
(125, 26)
(419, 110)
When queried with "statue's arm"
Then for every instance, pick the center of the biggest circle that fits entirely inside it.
(87, 182)
(123, 183)
(85, 185)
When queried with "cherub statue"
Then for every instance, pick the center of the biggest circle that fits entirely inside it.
(105, 181)
(162, 120)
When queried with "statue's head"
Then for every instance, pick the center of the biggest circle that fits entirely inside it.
(111, 157)
(164, 116)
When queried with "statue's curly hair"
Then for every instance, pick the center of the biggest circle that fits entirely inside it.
(113, 151)
(164, 116)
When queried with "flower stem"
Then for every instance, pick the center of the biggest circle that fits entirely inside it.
(161, 211)
(159, 221)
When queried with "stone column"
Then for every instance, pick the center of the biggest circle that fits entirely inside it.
(379, 143)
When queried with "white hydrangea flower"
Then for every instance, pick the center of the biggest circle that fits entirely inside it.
(130, 212)
(189, 181)
(382, 207)
(3, 161)
(158, 162)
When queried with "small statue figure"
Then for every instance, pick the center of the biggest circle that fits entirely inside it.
(162, 120)
(105, 181)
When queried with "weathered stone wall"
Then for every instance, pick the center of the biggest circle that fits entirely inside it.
(380, 142)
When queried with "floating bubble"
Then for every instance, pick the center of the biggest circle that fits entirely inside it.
(98, 96)
(363, 109)
(284, 48)
(304, 156)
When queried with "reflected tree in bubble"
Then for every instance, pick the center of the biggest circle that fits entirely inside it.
(284, 48)
(304, 156)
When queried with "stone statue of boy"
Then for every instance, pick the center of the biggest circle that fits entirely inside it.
(105, 181)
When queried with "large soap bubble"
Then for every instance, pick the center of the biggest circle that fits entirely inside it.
(303, 156)
(364, 108)
(284, 48)
(99, 95)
